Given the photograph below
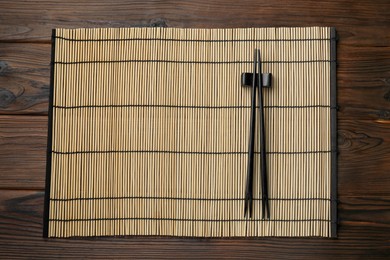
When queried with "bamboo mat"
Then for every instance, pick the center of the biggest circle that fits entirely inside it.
(149, 128)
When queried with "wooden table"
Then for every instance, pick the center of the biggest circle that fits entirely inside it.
(364, 122)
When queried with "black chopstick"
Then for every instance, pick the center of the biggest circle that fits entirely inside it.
(249, 178)
(263, 159)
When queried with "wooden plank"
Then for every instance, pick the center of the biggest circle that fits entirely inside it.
(363, 161)
(353, 19)
(364, 153)
(363, 78)
(22, 152)
(363, 74)
(364, 233)
(24, 78)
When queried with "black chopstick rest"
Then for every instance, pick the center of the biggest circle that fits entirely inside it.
(246, 79)
(257, 78)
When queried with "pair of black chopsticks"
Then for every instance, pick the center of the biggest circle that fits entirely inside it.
(249, 181)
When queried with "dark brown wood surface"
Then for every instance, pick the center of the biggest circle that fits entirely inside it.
(364, 122)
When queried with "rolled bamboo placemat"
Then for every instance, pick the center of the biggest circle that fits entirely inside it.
(149, 128)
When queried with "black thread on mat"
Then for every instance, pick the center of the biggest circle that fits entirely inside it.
(188, 62)
(189, 199)
(49, 141)
(189, 107)
(193, 40)
(333, 124)
(195, 220)
(183, 152)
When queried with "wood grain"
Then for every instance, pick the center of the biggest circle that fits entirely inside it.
(22, 152)
(24, 78)
(363, 96)
(363, 74)
(359, 217)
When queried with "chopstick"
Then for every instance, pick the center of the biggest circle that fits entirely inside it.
(263, 159)
(249, 178)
